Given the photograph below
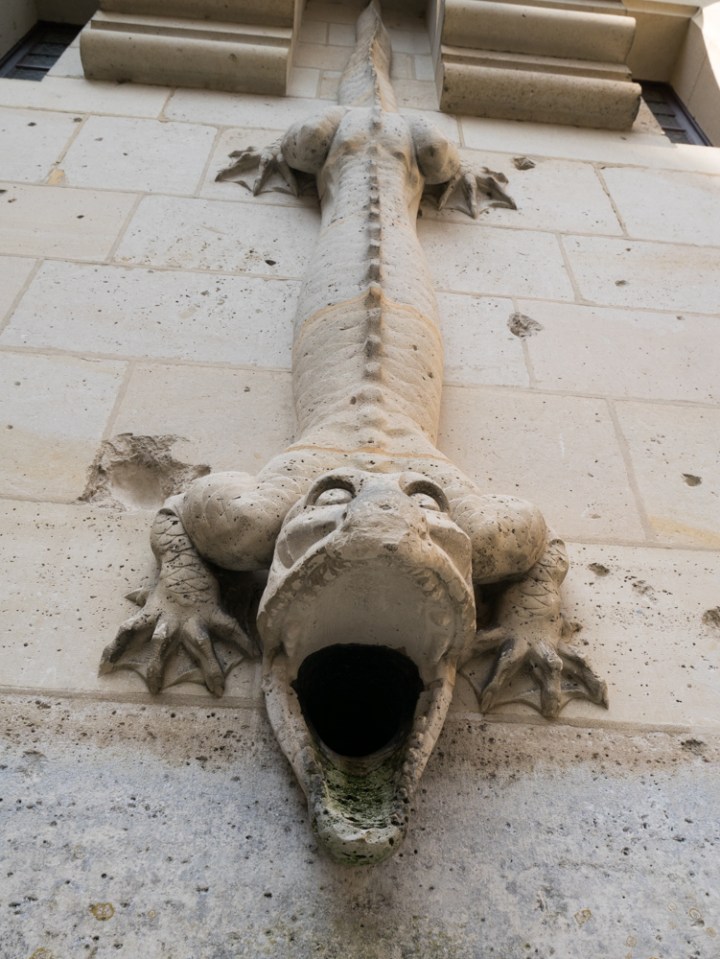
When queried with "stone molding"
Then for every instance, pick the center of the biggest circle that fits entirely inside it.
(560, 63)
(240, 47)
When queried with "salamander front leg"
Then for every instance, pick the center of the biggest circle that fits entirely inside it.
(265, 164)
(182, 618)
(531, 638)
(224, 522)
(290, 163)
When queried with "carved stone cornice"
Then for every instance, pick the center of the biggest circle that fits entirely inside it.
(240, 46)
(554, 62)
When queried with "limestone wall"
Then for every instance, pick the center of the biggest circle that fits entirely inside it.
(582, 354)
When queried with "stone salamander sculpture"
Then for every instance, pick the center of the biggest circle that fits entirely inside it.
(387, 569)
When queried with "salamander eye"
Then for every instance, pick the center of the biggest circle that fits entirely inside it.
(427, 495)
(425, 501)
(335, 496)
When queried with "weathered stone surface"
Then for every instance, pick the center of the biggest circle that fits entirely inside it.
(32, 141)
(625, 353)
(48, 443)
(479, 348)
(78, 96)
(208, 235)
(140, 155)
(675, 207)
(478, 259)
(677, 469)
(165, 830)
(47, 221)
(572, 191)
(560, 450)
(257, 423)
(68, 568)
(14, 273)
(633, 273)
(165, 314)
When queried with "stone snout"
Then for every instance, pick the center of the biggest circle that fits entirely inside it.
(369, 605)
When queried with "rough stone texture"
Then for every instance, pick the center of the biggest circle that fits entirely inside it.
(79, 224)
(181, 832)
(480, 867)
(549, 64)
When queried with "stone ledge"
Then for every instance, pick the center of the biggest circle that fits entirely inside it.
(474, 85)
(187, 53)
(546, 31)
(266, 12)
(562, 63)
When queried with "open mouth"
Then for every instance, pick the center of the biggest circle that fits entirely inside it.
(358, 700)
(358, 725)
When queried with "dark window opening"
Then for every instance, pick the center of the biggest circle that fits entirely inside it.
(670, 112)
(38, 51)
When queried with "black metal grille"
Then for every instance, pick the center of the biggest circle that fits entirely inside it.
(669, 111)
(38, 51)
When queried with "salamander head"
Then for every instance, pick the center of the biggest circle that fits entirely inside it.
(368, 607)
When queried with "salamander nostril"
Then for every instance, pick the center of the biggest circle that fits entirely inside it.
(357, 699)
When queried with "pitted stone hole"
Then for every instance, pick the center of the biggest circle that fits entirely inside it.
(358, 699)
(138, 472)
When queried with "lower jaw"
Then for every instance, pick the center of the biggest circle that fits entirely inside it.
(359, 803)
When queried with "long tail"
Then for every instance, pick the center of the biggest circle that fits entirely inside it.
(366, 80)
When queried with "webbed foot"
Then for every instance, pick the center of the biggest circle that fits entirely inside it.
(468, 191)
(181, 621)
(558, 672)
(267, 164)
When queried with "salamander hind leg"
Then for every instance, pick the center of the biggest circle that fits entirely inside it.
(454, 183)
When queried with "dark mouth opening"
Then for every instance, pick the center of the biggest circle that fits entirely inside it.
(358, 699)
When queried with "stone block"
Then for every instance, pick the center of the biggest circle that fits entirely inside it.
(636, 274)
(14, 273)
(256, 419)
(69, 95)
(54, 411)
(321, 56)
(33, 140)
(266, 12)
(569, 143)
(228, 110)
(474, 258)
(225, 237)
(144, 313)
(303, 82)
(128, 818)
(61, 222)
(544, 30)
(554, 194)
(560, 452)
(139, 155)
(63, 600)
(494, 85)
(624, 353)
(479, 348)
(171, 51)
(673, 451)
(662, 205)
